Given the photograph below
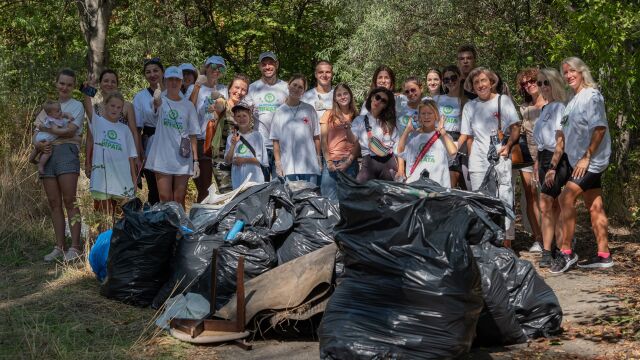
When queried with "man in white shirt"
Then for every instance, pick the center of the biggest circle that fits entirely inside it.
(321, 96)
(266, 95)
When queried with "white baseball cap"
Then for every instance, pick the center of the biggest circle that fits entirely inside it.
(187, 67)
(173, 72)
(215, 59)
(267, 54)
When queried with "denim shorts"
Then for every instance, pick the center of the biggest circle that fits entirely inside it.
(64, 160)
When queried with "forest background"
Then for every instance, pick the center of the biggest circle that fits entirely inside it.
(37, 38)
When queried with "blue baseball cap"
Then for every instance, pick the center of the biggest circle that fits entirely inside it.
(267, 54)
(188, 67)
(173, 72)
(216, 60)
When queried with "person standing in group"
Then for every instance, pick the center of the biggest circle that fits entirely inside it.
(450, 105)
(245, 149)
(434, 83)
(60, 175)
(295, 134)
(339, 145)
(466, 60)
(430, 149)
(407, 111)
(321, 96)
(145, 118)
(190, 75)
(114, 152)
(173, 156)
(108, 83)
(378, 136)
(484, 120)
(210, 120)
(551, 168)
(384, 77)
(526, 81)
(587, 144)
(266, 95)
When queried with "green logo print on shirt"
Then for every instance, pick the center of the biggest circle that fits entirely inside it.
(112, 135)
(269, 97)
(171, 120)
(447, 109)
(242, 149)
(108, 141)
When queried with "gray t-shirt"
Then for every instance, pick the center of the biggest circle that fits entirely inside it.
(584, 113)
(480, 120)
(544, 131)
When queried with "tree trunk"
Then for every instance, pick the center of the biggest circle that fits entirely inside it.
(94, 23)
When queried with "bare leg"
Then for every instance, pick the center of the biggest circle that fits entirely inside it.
(567, 202)
(548, 220)
(180, 188)
(33, 156)
(165, 186)
(533, 212)
(68, 184)
(204, 180)
(42, 162)
(54, 197)
(599, 222)
(455, 178)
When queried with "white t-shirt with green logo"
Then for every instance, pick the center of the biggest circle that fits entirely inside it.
(404, 115)
(321, 102)
(449, 107)
(203, 102)
(294, 127)
(175, 120)
(435, 161)
(266, 99)
(240, 172)
(112, 148)
(584, 113)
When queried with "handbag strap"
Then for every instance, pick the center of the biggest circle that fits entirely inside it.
(499, 114)
(367, 126)
(246, 143)
(424, 151)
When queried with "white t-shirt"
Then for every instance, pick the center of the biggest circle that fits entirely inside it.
(359, 130)
(321, 102)
(435, 161)
(240, 172)
(113, 146)
(480, 120)
(404, 115)
(202, 105)
(175, 120)
(586, 112)
(266, 99)
(143, 108)
(544, 131)
(294, 127)
(449, 107)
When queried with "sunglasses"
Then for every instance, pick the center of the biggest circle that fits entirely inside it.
(411, 91)
(528, 82)
(452, 79)
(545, 83)
(379, 98)
(152, 60)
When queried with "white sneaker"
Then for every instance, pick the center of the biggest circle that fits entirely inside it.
(536, 247)
(72, 254)
(55, 254)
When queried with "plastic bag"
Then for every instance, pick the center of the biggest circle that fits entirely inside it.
(141, 246)
(315, 219)
(536, 306)
(99, 254)
(411, 288)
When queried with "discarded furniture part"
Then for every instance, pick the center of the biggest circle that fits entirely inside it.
(300, 281)
(211, 330)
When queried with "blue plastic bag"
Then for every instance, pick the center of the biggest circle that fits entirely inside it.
(99, 254)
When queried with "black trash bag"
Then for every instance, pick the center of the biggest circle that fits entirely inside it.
(193, 256)
(536, 306)
(259, 257)
(498, 324)
(411, 288)
(315, 219)
(141, 246)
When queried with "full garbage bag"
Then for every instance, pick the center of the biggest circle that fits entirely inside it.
(141, 246)
(313, 228)
(99, 254)
(536, 306)
(411, 288)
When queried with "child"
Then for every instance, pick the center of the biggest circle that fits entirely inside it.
(429, 149)
(55, 120)
(113, 175)
(246, 151)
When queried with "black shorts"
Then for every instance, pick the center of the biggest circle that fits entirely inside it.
(588, 181)
(563, 173)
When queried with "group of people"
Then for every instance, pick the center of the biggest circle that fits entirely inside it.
(453, 125)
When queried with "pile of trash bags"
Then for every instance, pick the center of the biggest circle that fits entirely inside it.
(424, 278)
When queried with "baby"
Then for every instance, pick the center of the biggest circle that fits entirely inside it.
(55, 119)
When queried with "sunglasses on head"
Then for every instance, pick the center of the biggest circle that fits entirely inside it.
(380, 98)
(452, 79)
(411, 91)
(545, 83)
(528, 82)
(152, 60)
